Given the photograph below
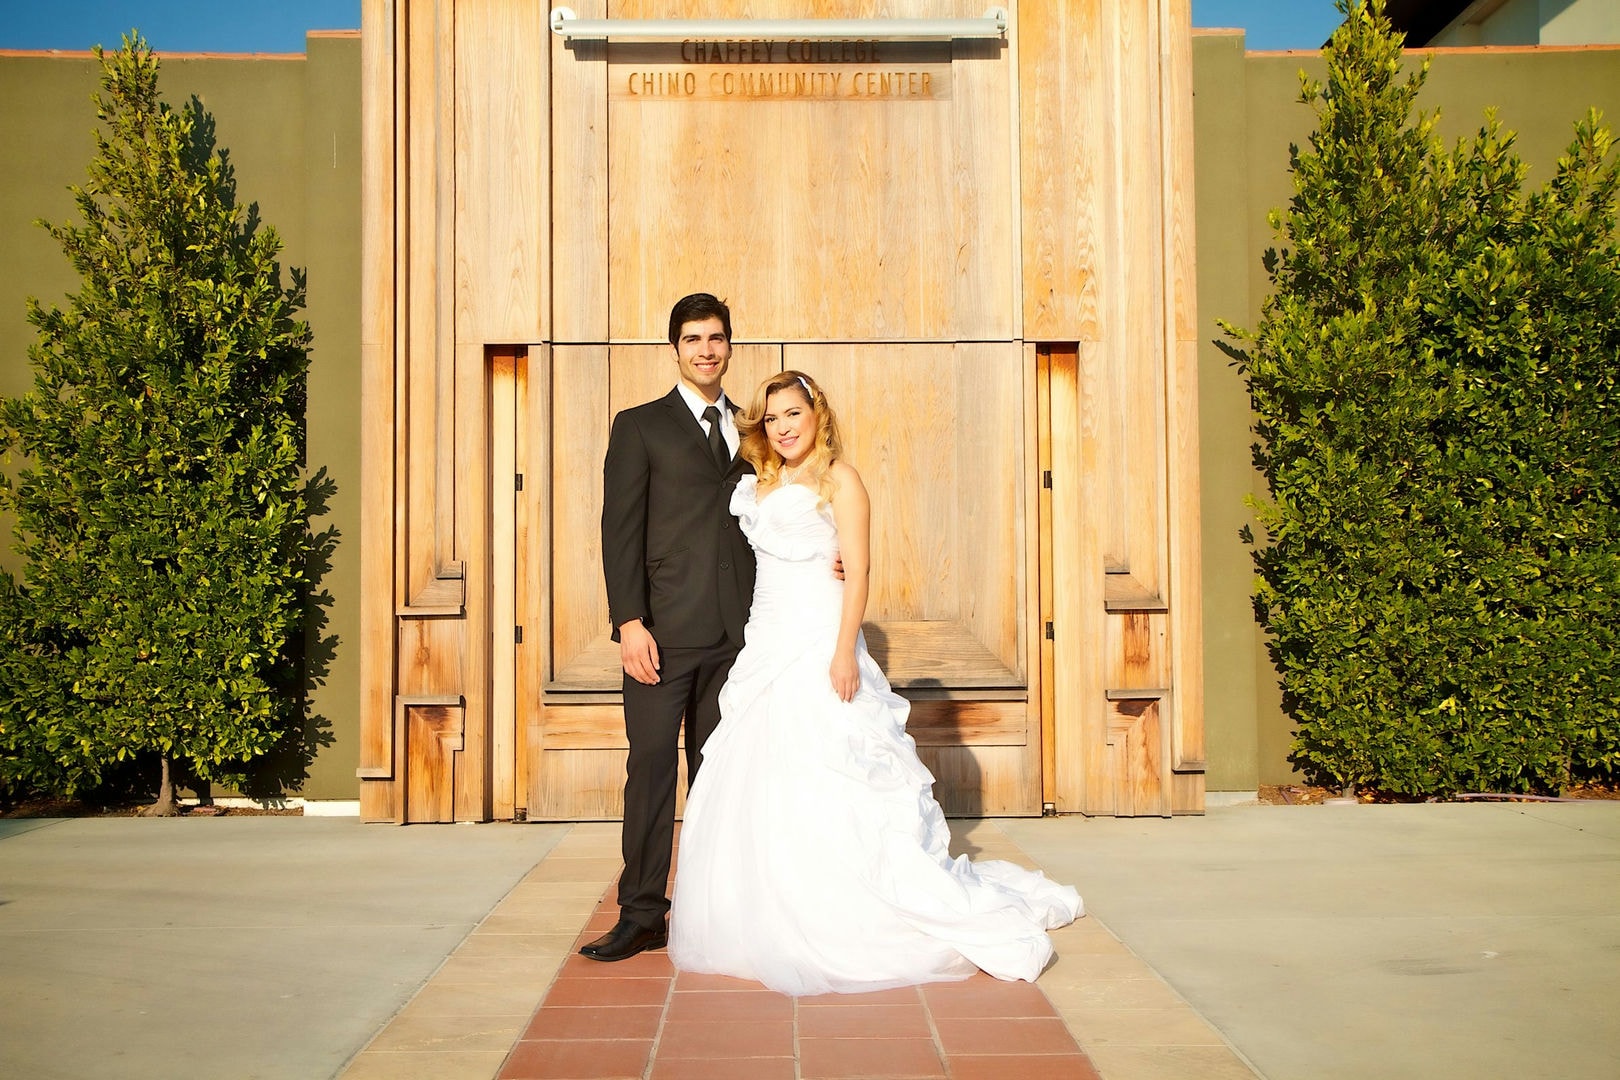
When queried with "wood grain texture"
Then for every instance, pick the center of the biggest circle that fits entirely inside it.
(432, 735)
(502, 163)
(1186, 564)
(1035, 535)
(899, 210)
(1176, 110)
(591, 385)
(430, 656)
(1183, 530)
(948, 507)
(1134, 645)
(531, 545)
(379, 800)
(1066, 133)
(1187, 793)
(898, 250)
(377, 434)
(1139, 774)
(472, 539)
(970, 723)
(993, 480)
(1077, 681)
(428, 365)
(1125, 592)
(567, 727)
(1137, 468)
(503, 617)
(984, 781)
(984, 193)
(1045, 599)
(587, 785)
(576, 595)
(936, 653)
(579, 183)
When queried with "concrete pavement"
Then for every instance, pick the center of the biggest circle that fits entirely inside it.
(1429, 941)
(229, 948)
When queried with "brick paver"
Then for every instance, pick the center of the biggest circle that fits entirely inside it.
(641, 1018)
(515, 1000)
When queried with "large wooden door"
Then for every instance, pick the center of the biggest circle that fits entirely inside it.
(983, 248)
(939, 434)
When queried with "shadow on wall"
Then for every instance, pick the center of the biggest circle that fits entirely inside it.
(958, 783)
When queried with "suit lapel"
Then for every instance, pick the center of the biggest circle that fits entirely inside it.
(682, 418)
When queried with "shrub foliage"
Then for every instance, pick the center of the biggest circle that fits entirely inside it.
(1433, 386)
(163, 511)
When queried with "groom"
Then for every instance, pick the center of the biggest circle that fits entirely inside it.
(680, 576)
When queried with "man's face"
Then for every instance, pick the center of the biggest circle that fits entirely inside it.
(703, 354)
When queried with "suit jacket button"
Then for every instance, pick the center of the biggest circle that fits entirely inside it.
(725, 566)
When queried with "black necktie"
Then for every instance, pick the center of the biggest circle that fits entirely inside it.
(717, 441)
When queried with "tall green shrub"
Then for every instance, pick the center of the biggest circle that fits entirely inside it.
(162, 513)
(1433, 386)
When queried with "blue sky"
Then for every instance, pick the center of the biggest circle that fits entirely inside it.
(278, 26)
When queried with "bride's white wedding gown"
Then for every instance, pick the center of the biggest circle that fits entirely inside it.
(813, 857)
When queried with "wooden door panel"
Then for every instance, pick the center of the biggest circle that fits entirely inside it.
(1135, 749)
(578, 440)
(983, 781)
(937, 433)
(432, 735)
(592, 385)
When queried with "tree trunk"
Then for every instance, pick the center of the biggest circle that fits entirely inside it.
(164, 807)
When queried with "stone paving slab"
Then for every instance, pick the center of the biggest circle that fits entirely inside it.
(1319, 942)
(250, 947)
(1429, 941)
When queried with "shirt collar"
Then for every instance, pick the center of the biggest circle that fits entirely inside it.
(697, 404)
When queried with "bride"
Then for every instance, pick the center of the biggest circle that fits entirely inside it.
(813, 857)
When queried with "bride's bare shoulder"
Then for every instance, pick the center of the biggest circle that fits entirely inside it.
(845, 477)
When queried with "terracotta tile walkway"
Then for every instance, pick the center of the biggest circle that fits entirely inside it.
(514, 1001)
(640, 1018)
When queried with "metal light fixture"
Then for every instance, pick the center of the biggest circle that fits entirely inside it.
(569, 26)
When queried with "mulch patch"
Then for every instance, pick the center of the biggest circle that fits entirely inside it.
(1308, 795)
(53, 807)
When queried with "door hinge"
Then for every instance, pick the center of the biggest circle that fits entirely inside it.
(517, 635)
(1046, 479)
(1050, 632)
(520, 481)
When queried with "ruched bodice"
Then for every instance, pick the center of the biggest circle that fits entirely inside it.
(795, 546)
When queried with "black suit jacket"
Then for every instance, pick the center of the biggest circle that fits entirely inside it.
(672, 552)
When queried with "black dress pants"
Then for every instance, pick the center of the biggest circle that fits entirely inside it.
(689, 687)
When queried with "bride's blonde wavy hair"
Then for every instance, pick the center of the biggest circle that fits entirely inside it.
(756, 447)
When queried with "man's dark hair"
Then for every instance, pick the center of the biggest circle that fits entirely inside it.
(695, 308)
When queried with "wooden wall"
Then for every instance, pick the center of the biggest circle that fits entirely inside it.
(981, 249)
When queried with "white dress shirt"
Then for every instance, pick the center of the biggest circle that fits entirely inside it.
(728, 423)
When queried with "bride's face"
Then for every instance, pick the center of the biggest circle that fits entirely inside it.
(790, 425)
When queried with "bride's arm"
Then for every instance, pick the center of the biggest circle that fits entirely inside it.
(852, 512)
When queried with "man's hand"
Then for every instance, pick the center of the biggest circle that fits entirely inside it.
(838, 567)
(638, 652)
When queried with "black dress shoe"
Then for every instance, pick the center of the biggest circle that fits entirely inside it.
(624, 941)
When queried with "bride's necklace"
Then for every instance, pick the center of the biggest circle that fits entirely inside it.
(786, 476)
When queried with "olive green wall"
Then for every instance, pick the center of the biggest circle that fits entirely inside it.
(1247, 114)
(292, 130)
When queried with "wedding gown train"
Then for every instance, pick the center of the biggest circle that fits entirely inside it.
(813, 857)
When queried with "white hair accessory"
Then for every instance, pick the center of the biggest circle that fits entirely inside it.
(808, 392)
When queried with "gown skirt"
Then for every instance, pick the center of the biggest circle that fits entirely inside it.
(813, 857)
